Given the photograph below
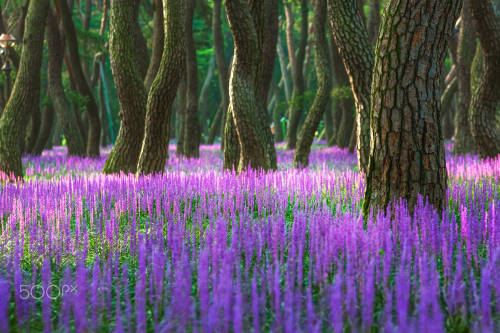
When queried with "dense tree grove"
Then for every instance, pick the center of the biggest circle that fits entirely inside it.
(249, 165)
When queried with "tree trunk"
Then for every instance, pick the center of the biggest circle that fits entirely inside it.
(356, 51)
(104, 20)
(465, 55)
(482, 112)
(250, 116)
(192, 130)
(81, 81)
(374, 21)
(140, 44)
(407, 156)
(45, 129)
(26, 90)
(66, 116)
(158, 37)
(154, 152)
(129, 88)
(321, 61)
(284, 70)
(297, 65)
(34, 130)
(202, 99)
(447, 109)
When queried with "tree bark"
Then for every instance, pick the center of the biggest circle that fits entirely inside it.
(215, 126)
(26, 90)
(181, 115)
(250, 116)
(129, 88)
(65, 115)
(482, 112)
(34, 130)
(192, 128)
(140, 44)
(81, 81)
(45, 129)
(297, 66)
(465, 55)
(158, 37)
(407, 156)
(321, 61)
(356, 51)
(202, 99)
(154, 152)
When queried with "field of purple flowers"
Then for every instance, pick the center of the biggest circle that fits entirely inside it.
(199, 250)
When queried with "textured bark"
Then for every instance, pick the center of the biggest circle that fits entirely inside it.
(297, 66)
(374, 21)
(284, 71)
(356, 51)
(407, 156)
(321, 61)
(192, 129)
(158, 37)
(81, 81)
(250, 116)
(129, 88)
(232, 151)
(485, 98)
(66, 117)
(26, 90)
(154, 152)
(465, 55)
(45, 129)
(328, 120)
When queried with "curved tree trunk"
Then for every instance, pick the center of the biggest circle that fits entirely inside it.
(129, 88)
(482, 112)
(26, 90)
(254, 135)
(306, 137)
(154, 151)
(465, 55)
(158, 37)
(296, 65)
(81, 81)
(407, 157)
(66, 117)
(215, 126)
(45, 129)
(192, 130)
(356, 51)
(140, 44)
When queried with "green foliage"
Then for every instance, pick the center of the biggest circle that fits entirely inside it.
(342, 93)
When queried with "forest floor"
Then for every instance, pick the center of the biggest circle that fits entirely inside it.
(200, 250)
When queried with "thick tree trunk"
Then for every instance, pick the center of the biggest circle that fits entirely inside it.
(407, 156)
(482, 112)
(129, 88)
(321, 61)
(192, 128)
(26, 90)
(45, 129)
(356, 51)
(154, 152)
(465, 55)
(65, 115)
(81, 81)
(297, 66)
(250, 116)
(158, 37)
(140, 44)
(374, 21)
